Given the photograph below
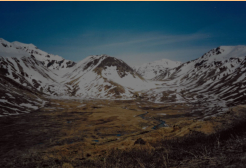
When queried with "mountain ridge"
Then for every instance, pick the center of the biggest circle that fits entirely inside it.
(18, 49)
(216, 80)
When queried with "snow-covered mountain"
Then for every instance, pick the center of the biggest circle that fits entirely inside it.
(22, 81)
(95, 76)
(17, 49)
(25, 76)
(214, 65)
(103, 76)
(30, 73)
(153, 69)
(217, 79)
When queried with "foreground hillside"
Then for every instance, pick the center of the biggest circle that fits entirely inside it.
(75, 133)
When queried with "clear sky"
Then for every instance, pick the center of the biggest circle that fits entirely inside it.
(136, 32)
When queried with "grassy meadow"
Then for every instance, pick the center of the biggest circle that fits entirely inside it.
(115, 133)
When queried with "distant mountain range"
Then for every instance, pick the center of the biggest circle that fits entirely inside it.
(153, 69)
(28, 73)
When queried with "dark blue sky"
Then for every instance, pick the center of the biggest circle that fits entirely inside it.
(136, 32)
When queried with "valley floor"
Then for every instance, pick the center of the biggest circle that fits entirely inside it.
(118, 133)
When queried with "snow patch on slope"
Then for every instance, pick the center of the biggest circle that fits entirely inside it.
(153, 69)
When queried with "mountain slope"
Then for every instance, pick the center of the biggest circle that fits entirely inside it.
(30, 73)
(24, 80)
(215, 81)
(104, 77)
(153, 69)
(17, 49)
(225, 56)
(16, 99)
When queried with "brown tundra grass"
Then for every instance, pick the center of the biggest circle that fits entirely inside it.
(216, 142)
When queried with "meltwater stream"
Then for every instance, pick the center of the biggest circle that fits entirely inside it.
(161, 124)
